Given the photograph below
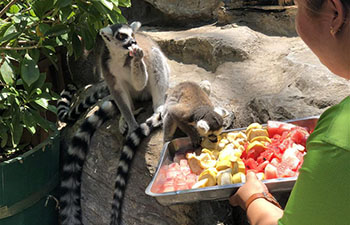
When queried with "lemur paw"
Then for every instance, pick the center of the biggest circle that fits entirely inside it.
(123, 126)
(136, 52)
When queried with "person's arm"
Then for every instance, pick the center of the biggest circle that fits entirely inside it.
(260, 211)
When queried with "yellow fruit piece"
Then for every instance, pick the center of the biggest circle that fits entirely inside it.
(261, 139)
(201, 183)
(210, 174)
(224, 177)
(210, 152)
(257, 146)
(216, 153)
(260, 176)
(231, 136)
(228, 151)
(253, 126)
(241, 135)
(255, 132)
(223, 164)
(223, 143)
(194, 163)
(238, 166)
(238, 178)
(206, 161)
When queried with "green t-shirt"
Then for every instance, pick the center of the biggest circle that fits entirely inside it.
(321, 194)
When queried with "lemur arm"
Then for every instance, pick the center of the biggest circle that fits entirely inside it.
(139, 75)
(125, 105)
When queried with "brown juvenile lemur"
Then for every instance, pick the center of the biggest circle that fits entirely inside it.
(189, 108)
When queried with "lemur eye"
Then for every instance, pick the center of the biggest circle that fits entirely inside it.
(213, 138)
(121, 36)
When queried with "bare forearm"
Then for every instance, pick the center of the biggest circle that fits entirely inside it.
(262, 212)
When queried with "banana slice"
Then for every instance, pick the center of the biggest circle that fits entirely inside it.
(257, 146)
(201, 183)
(223, 164)
(238, 178)
(224, 177)
(206, 160)
(238, 166)
(209, 174)
(255, 132)
(261, 139)
(194, 163)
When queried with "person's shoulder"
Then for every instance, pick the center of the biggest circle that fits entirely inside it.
(336, 121)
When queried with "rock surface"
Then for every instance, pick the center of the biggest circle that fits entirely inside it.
(186, 10)
(256, 76)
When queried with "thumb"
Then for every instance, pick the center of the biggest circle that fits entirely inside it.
(251, 176)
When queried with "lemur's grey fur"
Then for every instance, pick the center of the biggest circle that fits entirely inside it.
(134, 68)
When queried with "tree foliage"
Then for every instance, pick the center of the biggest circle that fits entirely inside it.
(31, 31)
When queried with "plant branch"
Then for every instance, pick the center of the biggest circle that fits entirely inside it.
(3, 11)
(19, 48)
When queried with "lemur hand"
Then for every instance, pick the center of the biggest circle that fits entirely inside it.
(136, 52)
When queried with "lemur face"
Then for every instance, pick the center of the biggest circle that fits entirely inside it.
(120, 36)
(210, 126)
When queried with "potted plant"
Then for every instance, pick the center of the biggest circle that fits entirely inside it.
(34, 37)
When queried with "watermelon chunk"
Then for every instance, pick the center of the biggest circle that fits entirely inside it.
(270, 172)
(276, 127)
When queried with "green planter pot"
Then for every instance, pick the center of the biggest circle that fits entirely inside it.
(26, 183)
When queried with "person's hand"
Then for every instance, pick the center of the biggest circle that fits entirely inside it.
(253, 185)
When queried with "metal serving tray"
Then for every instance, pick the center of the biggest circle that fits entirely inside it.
(215, 192)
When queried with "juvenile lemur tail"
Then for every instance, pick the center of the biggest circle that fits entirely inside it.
(70, 208)
(127, 154)
(70, 115)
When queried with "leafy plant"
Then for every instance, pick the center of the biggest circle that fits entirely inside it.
(31, 31)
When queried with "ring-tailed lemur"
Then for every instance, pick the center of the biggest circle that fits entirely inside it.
(133, 71)
(189, 108)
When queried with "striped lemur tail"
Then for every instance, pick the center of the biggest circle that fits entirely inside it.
(70, 207)
(70, 115)
(127, 154)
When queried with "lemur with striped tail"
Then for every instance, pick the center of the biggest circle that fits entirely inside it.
(134, 68)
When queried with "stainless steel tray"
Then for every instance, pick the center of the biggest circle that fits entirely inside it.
(214, 192)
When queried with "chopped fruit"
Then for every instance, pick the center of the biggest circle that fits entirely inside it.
(238, 166)
(194, 163)
(227, 153)
(261, 139)
(223, 143)
(206, 161)
(253, 126)
(201, 183)
(238, 178)
(260, 176)
(270, 172)
(224, 177)
(210, 152)
(210, 174)
(223, 164)
(255, 132)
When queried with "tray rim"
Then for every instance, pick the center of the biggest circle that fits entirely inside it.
(217, 187)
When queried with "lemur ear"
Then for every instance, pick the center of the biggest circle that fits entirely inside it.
(203, 126)
(221, 111)
(135, 26)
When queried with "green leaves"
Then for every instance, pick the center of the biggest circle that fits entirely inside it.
(29, 70)
(31, 31)
(7, 73)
